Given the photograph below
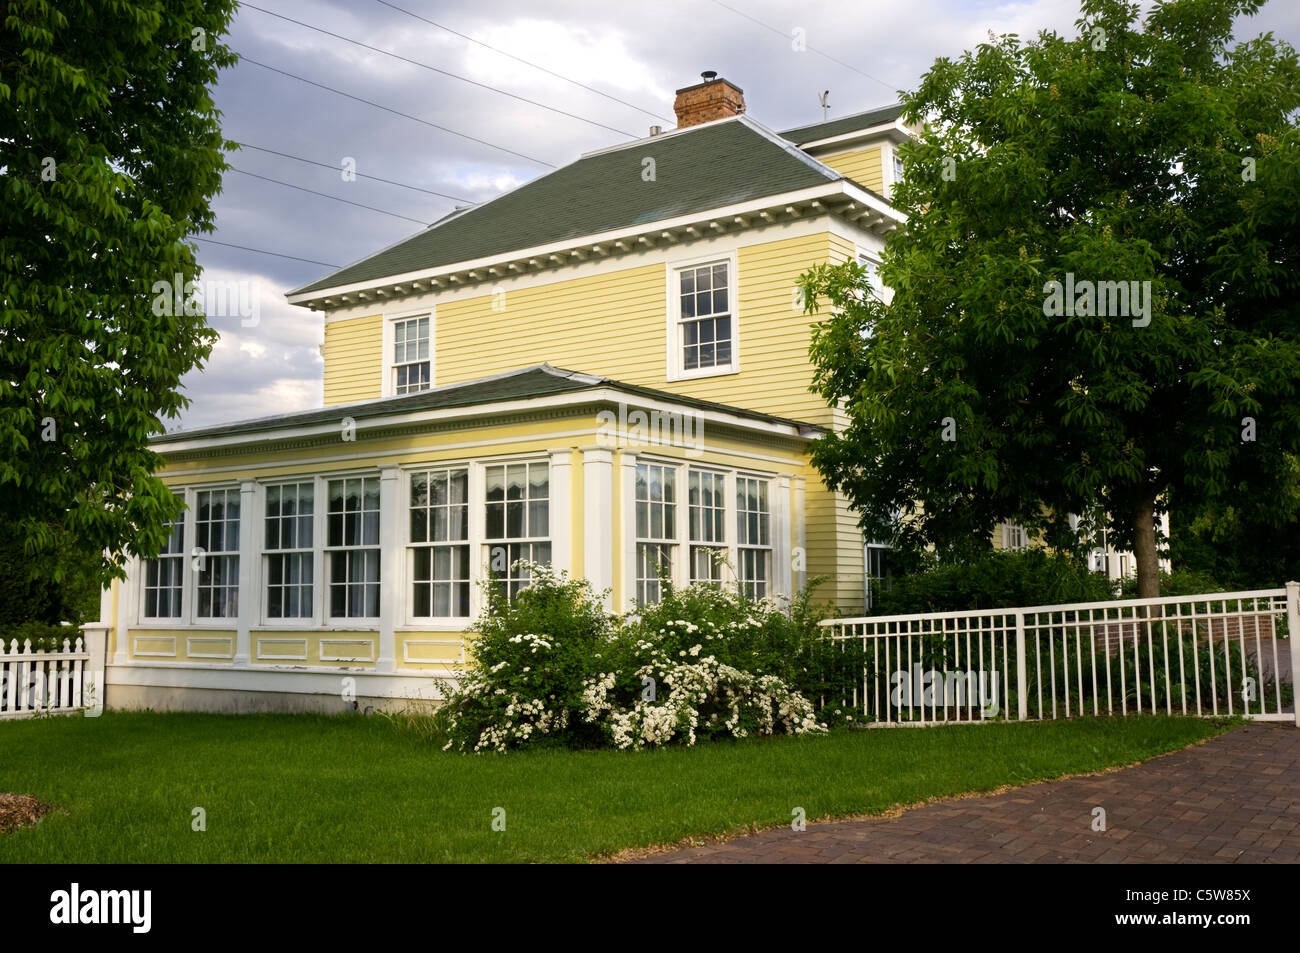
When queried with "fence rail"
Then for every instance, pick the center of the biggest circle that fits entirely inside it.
(34, 681)
(1210, 654)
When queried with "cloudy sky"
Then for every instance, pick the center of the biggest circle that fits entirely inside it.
(631, 55)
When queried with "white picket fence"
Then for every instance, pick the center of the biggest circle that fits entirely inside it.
(1211, 654)
(35, 682)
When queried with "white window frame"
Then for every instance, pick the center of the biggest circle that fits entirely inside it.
(390, 348)
(472, 541)
(1014, 538)
(672, 534)
(676, 369)
(486, 543)
(891, 174)
(769, 548)
(314, 553)
(346, 621)
(226, 554)
(184, 557)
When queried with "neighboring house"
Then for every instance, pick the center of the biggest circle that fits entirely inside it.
(605, 369)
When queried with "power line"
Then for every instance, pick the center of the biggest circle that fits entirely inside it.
(518, 59)
(261, 251)
(362, 175)
(395, 112)
(782, 33)
(443, 72)
(290, 185)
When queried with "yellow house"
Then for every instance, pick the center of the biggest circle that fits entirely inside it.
(605, 369)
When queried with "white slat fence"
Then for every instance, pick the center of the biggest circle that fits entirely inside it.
(33, 681)
(1211, 654)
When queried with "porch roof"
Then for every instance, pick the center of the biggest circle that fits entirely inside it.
(540, 380)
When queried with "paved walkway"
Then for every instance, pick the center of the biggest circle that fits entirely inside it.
(1234, 799)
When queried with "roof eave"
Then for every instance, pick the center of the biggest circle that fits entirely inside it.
(842, 196)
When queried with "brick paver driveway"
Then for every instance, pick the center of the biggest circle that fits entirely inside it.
(1234, 799)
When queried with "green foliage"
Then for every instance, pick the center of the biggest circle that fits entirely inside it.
(1245, 537)
(552, 668)
(1181, 582)
(1112, 155)
(1031, 577)
(111, 150)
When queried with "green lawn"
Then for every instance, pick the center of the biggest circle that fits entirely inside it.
(296, 788)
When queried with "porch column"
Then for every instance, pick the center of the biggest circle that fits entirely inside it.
(597, 519)
(390, 569)
(625, 520)
(249, 570)
(782, 554)
(798, 525)
(562, 510)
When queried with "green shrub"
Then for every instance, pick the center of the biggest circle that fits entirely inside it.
(1032, 577)
(554, 668)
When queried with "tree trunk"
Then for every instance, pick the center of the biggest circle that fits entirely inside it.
(1144, 546)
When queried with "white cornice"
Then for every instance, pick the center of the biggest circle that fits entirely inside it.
(869, 210)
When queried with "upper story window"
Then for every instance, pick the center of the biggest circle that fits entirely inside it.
(703, 313)
(411, 361)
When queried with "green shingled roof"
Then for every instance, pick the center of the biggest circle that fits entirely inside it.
(841, 127)
(706, 167)
(541, 380)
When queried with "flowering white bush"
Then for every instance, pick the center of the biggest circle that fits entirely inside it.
(553, 668)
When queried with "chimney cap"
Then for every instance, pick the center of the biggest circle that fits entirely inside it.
(709, 75)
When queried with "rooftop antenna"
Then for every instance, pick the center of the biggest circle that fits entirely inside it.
(825, 100)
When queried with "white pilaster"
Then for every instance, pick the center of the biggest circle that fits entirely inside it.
(597, 519)
(626, 521)
(249, 570)
(782, 557)
(798, 537)
(390, 568)
(562, 510)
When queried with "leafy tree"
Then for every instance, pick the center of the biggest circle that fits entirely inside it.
(1148, 151)
(110, 151)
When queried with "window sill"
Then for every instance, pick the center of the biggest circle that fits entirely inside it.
(708, 372)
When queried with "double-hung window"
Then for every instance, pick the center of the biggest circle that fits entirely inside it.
(164, 576)
(1013, 537)
(705, 318)
(352, 547)
(217, 536)
(707, 517)
(656, 528)
(517, 520)
(411, 363)
(290, 510)
(439, 543)
(753, 537)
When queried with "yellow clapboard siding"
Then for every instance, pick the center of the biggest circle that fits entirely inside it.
(862, 166)
(615, 325)
(353, 354)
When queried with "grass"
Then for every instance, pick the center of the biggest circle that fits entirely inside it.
(301, 788)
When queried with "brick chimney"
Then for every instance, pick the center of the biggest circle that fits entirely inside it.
(704, 102)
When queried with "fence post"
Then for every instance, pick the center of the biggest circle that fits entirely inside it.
(95, 636)
(1022, 693)
(1293, 636)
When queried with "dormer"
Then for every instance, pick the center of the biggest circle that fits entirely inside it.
(863, 146)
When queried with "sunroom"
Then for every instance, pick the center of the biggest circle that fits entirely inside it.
(340, 554)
